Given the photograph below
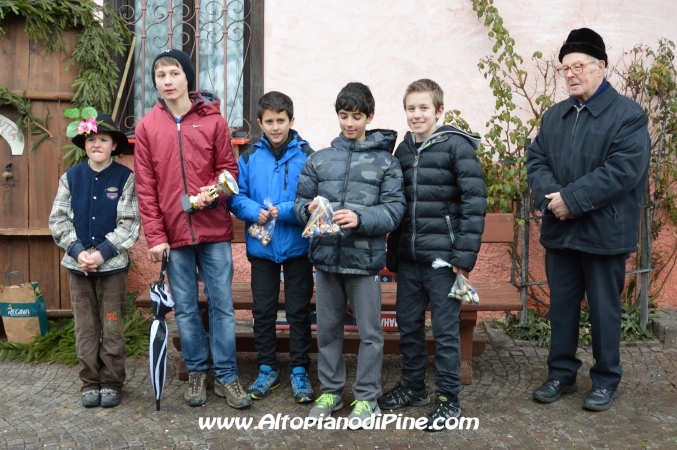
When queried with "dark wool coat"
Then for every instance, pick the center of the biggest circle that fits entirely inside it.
(446, 200)
(364, 177)
(597, 157)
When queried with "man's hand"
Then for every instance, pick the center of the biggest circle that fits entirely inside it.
(203, 198)
(558, 207)
(155, 253)
(346, 218)
(264, 215)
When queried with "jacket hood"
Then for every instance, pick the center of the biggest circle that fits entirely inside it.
(443, 133)
(378, 139)
(204, 103)
(293, 136)
(293, 139)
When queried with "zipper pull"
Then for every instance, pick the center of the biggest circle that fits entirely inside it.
(286, 174)
(416, 161)
(178, 126)
(277, 167)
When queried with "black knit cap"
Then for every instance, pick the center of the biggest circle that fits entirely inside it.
(104, 123)
(584, 40)
(186, 64)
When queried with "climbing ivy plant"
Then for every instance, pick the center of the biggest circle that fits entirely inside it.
(101, 35)
(503, 151)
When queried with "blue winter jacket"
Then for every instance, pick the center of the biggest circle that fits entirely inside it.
(261, 176)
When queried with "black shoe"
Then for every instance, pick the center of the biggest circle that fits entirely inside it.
(550, 391)
(599, 399)
(443, 410)
(400, 395)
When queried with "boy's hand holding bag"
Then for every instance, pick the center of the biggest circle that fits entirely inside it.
(320, 222)
(23, 310)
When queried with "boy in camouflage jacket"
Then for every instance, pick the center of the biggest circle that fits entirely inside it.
(363, 182)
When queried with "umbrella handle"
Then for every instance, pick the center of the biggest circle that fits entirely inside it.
(163, 268)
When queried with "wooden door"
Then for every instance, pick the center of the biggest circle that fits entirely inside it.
(26, 199)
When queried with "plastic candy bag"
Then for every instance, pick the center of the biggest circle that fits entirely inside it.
(264, 232)
(463, 290)
(320, 222)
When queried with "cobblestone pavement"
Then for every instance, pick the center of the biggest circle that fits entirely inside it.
(40, 408)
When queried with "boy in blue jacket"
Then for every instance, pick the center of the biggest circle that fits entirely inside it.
(270, 169)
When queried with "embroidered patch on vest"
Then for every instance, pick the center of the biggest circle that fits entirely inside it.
(112, 192)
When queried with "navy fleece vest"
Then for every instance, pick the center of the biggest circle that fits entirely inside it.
(94, 198)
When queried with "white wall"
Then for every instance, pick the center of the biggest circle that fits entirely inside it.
(314, 47)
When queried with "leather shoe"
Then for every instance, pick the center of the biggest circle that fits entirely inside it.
(550, 391)
(599, 399)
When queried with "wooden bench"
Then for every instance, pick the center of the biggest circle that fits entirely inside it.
(493, 297)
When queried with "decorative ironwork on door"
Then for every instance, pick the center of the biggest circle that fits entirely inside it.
(215, 33)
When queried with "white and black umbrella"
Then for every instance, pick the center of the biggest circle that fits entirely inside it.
(162, 303)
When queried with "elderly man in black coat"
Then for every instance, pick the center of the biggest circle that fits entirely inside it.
(587, 169)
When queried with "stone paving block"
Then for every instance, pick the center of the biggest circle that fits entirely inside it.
(644, 416)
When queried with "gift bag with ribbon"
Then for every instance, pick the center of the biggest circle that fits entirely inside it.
(23, 310)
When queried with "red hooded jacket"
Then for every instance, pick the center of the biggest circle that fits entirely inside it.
(172, 159)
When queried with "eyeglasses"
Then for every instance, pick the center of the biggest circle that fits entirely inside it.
(576, 69)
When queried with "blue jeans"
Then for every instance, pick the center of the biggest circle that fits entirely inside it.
(215, 264)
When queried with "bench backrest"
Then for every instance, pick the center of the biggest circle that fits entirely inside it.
(498, 228)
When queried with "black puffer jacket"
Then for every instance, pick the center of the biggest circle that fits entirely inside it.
(446, 200)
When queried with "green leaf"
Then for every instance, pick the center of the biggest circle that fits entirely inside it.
(72, 113)
(72, 129)
(89, 113)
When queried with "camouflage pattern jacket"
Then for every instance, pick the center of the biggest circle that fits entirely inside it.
(364, 177)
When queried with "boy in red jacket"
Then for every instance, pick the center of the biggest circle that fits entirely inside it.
(182, 145)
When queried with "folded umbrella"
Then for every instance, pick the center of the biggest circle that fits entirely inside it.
(162, 303)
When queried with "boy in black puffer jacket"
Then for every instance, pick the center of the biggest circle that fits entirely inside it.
(446, 205)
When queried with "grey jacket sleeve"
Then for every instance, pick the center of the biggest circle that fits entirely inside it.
(381, 219)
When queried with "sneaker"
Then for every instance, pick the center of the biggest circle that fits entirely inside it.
(195, 393)
(363, 409)
(443, 410)
(268, 380)
(325, 405)
(401, 395)
(300, 386)
(91, 398)
(233, 393)
(110, 397)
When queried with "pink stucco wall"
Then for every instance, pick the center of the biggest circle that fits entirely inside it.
(313, 48)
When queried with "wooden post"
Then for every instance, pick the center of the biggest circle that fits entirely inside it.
(524, 213)
(645, 249)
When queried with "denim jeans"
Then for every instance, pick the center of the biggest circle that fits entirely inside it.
(215, 264)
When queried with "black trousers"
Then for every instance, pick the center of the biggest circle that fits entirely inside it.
(298, 290)
(417, 286)
(571, 275)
